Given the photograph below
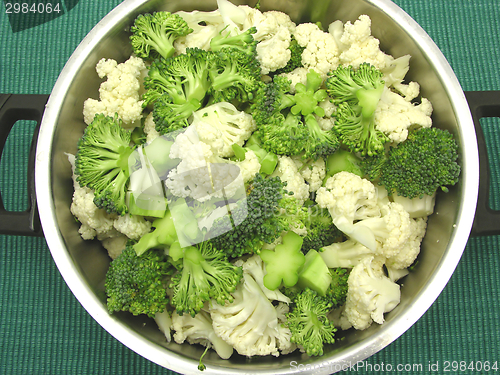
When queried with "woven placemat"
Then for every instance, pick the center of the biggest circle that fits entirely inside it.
(43, 328)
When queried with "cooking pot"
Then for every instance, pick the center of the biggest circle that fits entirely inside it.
(83, 264)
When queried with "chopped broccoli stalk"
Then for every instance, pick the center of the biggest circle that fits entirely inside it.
(165, 232)
(101, 162)
(134, 209)
(153, 35)
(357, 94)
(268, 161)
(158, 154)
(258, 222)
(419, 166)
(136, 283)
(309, 323)
(308, 96)
(315, 274)
(343, 160)
(284, 263)
(205, 274)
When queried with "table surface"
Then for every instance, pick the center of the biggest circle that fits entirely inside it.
(43, 328)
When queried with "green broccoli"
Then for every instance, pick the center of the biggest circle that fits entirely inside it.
(164, 233)
(268, 161)
(153, 35)
(424, 162)
(101, 162)
(357, 94)
(136, 283)
(257, 218)
(286, 122)
(233, 76)
(243, 42)
(205, 274)
(309, 324)
(342, 160)
(177, 87)
(320, 229)
(337, 292)
(284, 262)
(295, 57)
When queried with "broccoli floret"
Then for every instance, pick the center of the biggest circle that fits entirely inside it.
(177, 87)
(309, 324)
(424, 162)
(257, 218)
(205, 274)
(243, 42)
(286, 122)
(268, 161)
(295, 57)
(357, 94)
(320, 230)
(101, 162)
(136, 283)
(337, 292)
(153, 35)
(234, 76)
(165, 231)
(284, 262)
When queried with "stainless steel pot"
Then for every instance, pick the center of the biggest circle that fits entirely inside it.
(83, 264)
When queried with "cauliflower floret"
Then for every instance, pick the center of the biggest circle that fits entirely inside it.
(251, 323)
(93, 220)
(370, 294)
(199, 330)
(386, 234)
(328, 120)
(394, 115)
(360, 46)
(222, 122)
(164, 322)
(348, 197)
(150, 129)
(132, 226)
(120, 93)
(205, 26)
(321, 52)
(410, 250)
(287, 171)
(115, 245)
(273, 52)
(313, 172)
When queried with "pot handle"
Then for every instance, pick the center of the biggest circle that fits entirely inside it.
(484, 104)
(14, 107)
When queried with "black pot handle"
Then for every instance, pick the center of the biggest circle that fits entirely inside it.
(14, 107)
(484, 104)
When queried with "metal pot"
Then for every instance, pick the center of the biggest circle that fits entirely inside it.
(83, 264)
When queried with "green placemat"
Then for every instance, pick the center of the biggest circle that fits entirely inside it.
(44, 330)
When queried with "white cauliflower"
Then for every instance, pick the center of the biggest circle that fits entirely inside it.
(223, 122)
(321, 52)
(298, 75)
(251, 323)
(359, 46)
(348, 198)
(313, 172)
(199, 330)
(410, 250)
(394, 115)
(120, 93)
(150, 129)
(205, 26)
(287, 171)
(370, 294)
(417, 207)
(132, 226)
(164, 322)
(346, 254)
(115, 245)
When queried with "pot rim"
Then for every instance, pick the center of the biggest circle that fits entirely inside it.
(389, 332)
